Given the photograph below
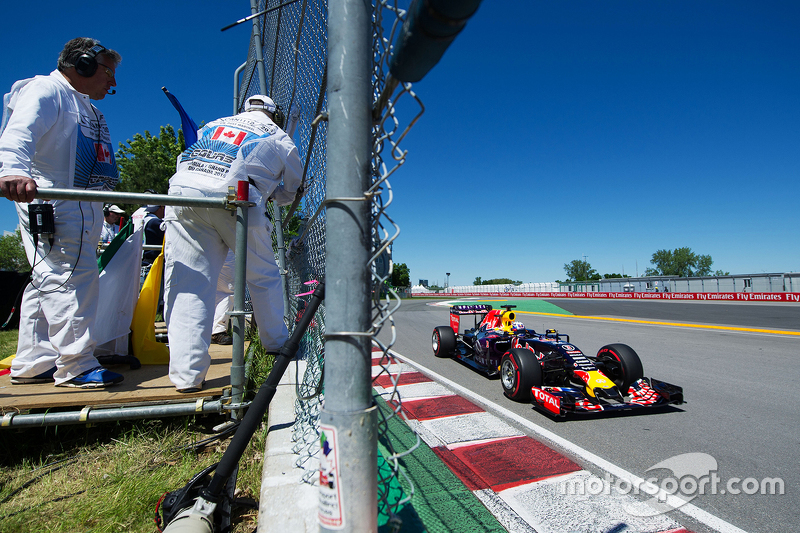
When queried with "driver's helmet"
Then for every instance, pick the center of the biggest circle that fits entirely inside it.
(517, 326)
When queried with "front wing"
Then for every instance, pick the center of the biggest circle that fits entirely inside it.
(645, 392)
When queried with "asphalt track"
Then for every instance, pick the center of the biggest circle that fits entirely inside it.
(738, 364)
(739, 314)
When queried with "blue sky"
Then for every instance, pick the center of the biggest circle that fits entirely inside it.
(552, 131)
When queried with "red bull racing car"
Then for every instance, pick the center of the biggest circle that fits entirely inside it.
(546, 368)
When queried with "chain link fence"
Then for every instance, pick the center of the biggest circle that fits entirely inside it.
(292, 39)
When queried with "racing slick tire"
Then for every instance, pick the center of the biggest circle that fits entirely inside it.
(443, 341)
(519, 371)
(622, 365)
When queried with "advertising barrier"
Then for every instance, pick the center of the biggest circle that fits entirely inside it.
(697, 296)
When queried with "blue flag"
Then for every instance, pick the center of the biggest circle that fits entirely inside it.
(187, 124)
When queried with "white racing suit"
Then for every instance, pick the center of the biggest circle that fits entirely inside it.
(224, 298)
(57, 137)
(245, 146)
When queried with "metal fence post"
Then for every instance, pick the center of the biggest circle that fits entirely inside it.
(276, 209)
(239, 278)
(348, 498)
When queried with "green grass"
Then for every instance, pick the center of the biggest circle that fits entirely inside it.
(8, 343)
(109, 477)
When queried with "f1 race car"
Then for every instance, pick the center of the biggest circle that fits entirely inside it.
(546, 367)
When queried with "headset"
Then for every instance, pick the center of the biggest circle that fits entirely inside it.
(86, 64)
(279, 118)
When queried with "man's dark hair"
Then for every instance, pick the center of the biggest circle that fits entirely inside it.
(78, 46)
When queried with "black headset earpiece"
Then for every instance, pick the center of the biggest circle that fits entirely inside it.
(86, 64)
(278, 117)
(106, 210)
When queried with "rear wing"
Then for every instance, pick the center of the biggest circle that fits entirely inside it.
(475, 309)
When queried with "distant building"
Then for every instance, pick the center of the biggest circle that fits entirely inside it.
(423, 282)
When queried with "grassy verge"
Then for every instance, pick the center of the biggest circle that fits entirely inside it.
(8, 343)
(109, 477)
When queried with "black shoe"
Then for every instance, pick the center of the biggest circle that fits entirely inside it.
(222, 339)
(44, 377)
(189, 390)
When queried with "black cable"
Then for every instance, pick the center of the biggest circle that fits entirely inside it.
(54, 500)
(197, 445)
(33, 479)
(80, 208)
(17, 300)
(80, 248)
(61, 463)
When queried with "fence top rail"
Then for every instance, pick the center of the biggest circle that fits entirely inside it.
(218, 202)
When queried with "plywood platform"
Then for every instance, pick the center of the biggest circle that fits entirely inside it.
(149, 383)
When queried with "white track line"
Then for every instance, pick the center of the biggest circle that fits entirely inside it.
(688, 509)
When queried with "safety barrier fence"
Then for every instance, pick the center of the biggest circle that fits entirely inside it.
(338, 229)
(696, 296)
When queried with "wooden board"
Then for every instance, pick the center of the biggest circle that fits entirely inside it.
(149, 383)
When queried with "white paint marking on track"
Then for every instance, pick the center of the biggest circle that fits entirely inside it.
(507, 517)
(688, 509)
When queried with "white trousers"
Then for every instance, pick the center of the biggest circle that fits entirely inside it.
(59, 307)
(197, 241)
(224, 298)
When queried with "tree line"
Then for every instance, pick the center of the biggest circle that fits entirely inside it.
(681, 262)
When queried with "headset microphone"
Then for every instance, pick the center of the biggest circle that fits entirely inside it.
(112, 91)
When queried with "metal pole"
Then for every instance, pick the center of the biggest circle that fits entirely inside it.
(97, 414)
(238, 314)
(348, 501)
(236, 74)
(262, 76)
(130, 198)
(276, 210)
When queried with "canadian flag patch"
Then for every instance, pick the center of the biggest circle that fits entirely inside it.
(229, 135)
(103, 154)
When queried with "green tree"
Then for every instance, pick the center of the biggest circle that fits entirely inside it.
(703, 265)
(477, 281)
(148, 161)
(401, 275)
(501, 281)
(295, 226)
(579, 270)
(682, 262)
(615, 275)
(12, 253)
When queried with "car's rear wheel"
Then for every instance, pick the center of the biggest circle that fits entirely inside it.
(621, 364)
(443, 341)
(519, 371)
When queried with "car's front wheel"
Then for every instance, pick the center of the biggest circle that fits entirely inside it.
(621, 364)
(519, 371)
(443, 341)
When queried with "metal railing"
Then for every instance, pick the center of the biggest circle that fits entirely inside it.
(194, 406)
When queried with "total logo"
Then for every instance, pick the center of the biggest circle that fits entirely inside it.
(550, 402)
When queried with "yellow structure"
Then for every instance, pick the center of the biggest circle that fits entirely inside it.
(143, 329)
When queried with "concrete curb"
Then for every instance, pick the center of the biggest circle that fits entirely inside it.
(286, 502)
